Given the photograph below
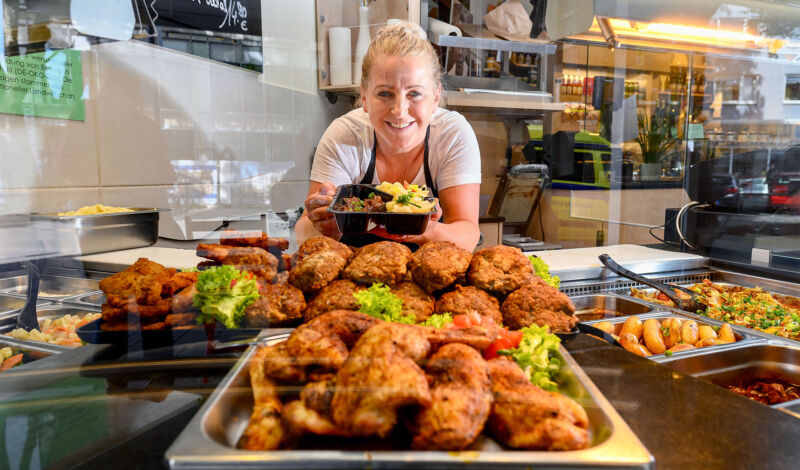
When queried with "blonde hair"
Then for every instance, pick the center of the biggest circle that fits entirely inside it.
(400, 40)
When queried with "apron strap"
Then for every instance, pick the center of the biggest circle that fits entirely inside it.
(370, 174)
(428, 178)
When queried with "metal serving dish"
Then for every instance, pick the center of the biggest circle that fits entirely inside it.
(51, 311)
(605, 306)
(742, 335)
(95, 299)
(209, 441)
(50, 287)
(742, 363)
(30, 352)
(99, 233)
(10, 307)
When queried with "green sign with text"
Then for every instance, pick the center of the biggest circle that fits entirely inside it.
(46, 84)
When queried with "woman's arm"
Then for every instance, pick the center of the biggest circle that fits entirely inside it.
(460, 205)
(316, 220)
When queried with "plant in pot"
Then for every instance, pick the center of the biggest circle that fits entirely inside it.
(655, 140)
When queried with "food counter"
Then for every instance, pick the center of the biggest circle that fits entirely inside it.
(87, 406)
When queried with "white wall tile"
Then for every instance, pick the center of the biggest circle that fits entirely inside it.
(45, 200)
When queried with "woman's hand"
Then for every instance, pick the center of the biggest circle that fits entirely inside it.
(316, 208)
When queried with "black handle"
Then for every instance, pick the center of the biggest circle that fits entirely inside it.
(28, 319)
(593, 330)
(666, 289)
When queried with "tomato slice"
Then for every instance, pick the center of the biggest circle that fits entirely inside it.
(233, 283)
(497, 345)
(461, 321)
(514, 336)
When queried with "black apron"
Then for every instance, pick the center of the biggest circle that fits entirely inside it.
(368, 238)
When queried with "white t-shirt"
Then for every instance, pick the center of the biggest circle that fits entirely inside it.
(343, 153)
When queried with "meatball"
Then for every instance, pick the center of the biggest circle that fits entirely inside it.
(416, 302)
(323, 243)
(437, 265)
(315, 271)
(465, 299)
(539, 304)
(338, 295)
(499, 269)
(278, 305)
(384, 262)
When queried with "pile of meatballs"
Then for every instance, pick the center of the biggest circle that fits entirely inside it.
(497, 283)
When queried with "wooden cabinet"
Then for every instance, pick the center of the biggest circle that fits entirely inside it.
(335, 13)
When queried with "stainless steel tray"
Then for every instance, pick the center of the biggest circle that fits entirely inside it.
(10, 307)
(209, 441)
(101, 233)
(51, 311)
(743, 335)
(737, 279)
(31, 352)
(614, 305)
(55, 288)
(744, 361)
(94, 299)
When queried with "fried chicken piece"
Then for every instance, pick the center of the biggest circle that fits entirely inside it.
(311, 413)
(232, 237)
(280, 365)
(338, 295)
(499, 269)
(478, 337)
(117, 325)
(326, 340)
(159, 325)
(322, 243)
(117, 309)
(265, 431)
(379, 376)
(461, 399)
(384, 262)
(281, 278)
(245, 258)
(316, 271)
(539, 304)
(181, 319)
(416, 302)
(275, 246)
(140, 283)
(277, 305)
(526, 417)
(437, 265)
(178, 282)
(466, 299)
(183, 301)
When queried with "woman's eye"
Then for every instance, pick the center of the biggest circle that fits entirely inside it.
(384, 94)
(414, 94)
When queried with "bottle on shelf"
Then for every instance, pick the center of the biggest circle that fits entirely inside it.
(580, 86)
(569, 84)
(563, 86)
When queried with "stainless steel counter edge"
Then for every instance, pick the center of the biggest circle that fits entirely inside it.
(640, 267)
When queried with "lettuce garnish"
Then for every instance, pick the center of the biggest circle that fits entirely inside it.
(223, 293)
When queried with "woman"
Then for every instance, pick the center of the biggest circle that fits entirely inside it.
(400, 134)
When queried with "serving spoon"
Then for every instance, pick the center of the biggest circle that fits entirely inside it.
(692, 304)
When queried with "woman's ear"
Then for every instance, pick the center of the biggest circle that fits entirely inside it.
(438, 96)
(363, 101)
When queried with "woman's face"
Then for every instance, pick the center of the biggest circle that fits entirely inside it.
(400, 98)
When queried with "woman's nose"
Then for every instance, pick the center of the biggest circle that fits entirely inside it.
(400, 105)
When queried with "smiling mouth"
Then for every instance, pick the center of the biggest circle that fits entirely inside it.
(401, 125)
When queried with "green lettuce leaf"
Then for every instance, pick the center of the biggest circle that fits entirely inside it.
(378, 301)
(223, 293)
(537, 356)
(541, 269)
(438, 320)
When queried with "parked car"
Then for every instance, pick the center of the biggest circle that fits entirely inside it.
(784, 182)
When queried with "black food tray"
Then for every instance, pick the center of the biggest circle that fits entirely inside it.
(352, 222)
(136, 339)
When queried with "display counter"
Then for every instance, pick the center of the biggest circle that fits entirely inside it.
(102, 405)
